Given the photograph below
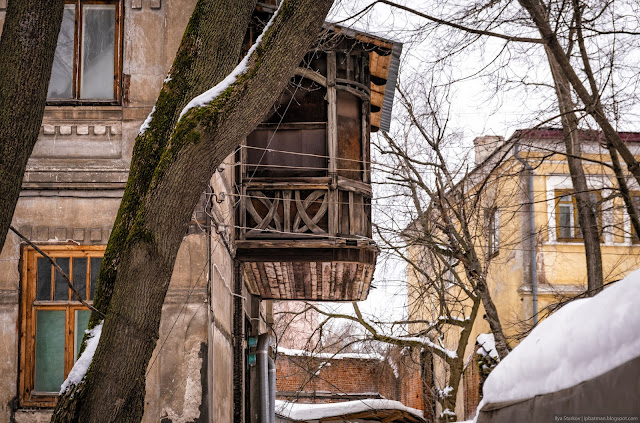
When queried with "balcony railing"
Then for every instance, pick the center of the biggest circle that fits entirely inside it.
(310, 209)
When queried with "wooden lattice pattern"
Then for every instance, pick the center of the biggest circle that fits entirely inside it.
(287, 211)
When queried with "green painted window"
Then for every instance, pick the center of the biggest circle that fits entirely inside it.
(54, 319)
(50, 327)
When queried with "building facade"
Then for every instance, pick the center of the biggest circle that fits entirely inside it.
(528, 281)
(291, 221)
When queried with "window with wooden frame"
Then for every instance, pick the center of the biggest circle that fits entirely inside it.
(567, 225)
(87, 63)
(493, 234)
(635, 200)
(53, 321)
(448, 276)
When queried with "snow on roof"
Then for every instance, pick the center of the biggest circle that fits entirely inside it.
(330, 356)
(297, 411)
(584, 339)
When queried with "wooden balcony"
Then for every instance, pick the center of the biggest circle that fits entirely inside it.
(306, 241)
(304, 215)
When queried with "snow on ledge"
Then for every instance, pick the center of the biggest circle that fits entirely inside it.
(211, 94)
(306, 412)
(329, 356)
(82, 364)
(583, 340)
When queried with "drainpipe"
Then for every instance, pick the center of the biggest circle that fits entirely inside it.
(272, 390)
(532, 230)
(262, 357)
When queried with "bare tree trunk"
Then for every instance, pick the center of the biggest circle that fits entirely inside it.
(537, 11)
(428, 391)
(587, 215)
(491, 315)
(113, 389)
(27, 47)
(624, 188)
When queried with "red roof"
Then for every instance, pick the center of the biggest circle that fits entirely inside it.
(556, 133)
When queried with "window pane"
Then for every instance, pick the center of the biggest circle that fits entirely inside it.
(565, 214)
(49, 372)
(98, 41)
(62, 71)
(61, 292)
(80, 277)
(43, 289)
(82, 322)
(95, 269)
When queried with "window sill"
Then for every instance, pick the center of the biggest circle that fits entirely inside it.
(65, 111)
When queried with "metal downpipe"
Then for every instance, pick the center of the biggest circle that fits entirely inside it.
(272, 390)
(532, 230)
(262, 358)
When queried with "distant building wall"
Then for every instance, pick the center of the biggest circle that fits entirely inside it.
(314, 380)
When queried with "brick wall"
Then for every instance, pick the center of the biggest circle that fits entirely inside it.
(306, 379)
(472, 383)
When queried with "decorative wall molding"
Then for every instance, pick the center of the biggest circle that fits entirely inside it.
(137, 4)
(91, 130)
(86, 236)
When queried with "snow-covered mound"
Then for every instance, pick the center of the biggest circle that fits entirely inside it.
(304, 412)
(583, 340)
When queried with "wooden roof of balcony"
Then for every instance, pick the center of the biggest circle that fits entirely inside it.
(308, 269)
(384, 62)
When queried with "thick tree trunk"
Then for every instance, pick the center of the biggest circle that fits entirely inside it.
(208, 52)
(27, 47)
(587, 216)
(113, 389)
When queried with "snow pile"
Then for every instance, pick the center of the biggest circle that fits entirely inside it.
(583, 340)
(210, 95)
(443, 393)
(80, 367)
(487, 345)
(330, 356)
(306, 412)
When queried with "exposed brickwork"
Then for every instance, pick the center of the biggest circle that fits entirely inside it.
(315, 380)
(472, 388)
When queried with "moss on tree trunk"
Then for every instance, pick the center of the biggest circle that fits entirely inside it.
(168, 175)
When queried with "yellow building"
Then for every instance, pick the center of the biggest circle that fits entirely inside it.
(531, 165)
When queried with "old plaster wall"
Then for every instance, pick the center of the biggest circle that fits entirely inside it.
(220, 323)
(72, 190)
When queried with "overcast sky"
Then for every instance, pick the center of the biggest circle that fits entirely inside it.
(479, 101)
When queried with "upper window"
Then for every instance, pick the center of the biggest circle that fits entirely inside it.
(567, 226)
(53, 320)
(493, 234)
(86, 65)
(635, 199)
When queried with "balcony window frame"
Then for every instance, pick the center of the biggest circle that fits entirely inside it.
(30, 305)
(75, 98)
